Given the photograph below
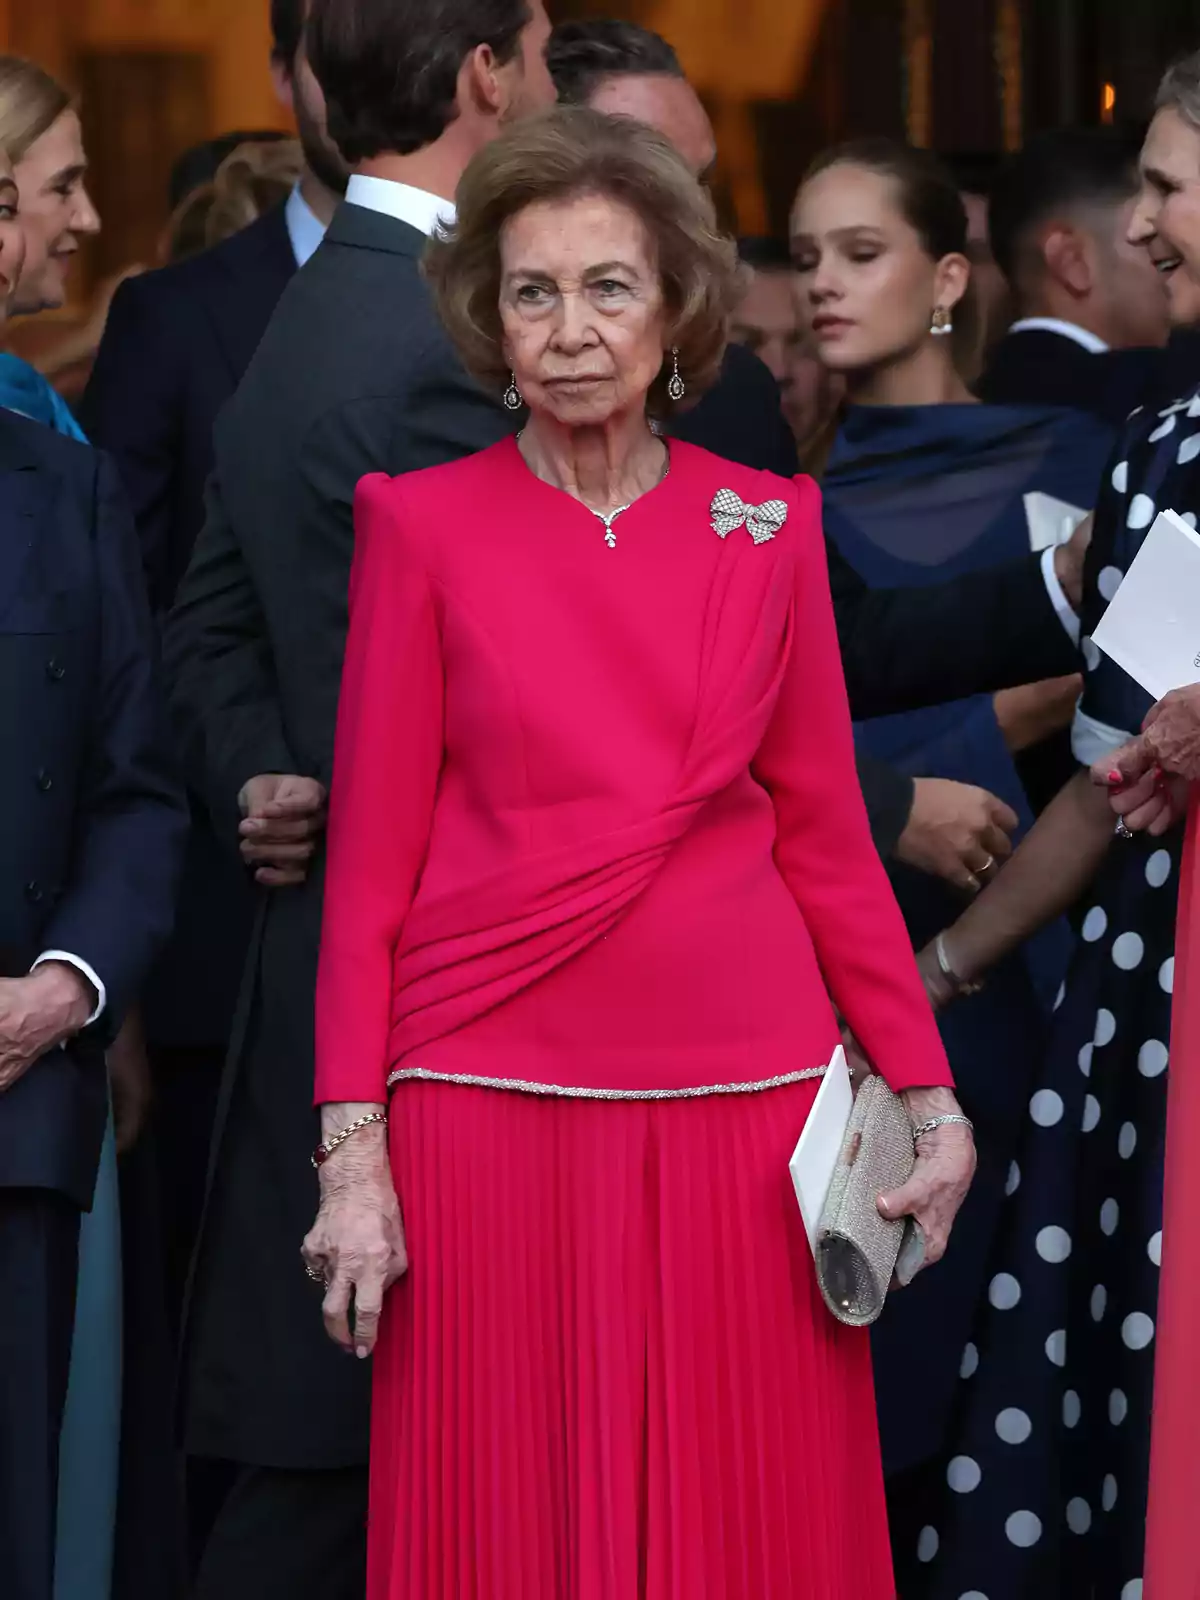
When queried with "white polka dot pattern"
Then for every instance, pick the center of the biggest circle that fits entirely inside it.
(1053, 1245)
(1137, 1331)
(963, 1475)
(1158, 868)
(1004, 1292)
(1024, 1529)
(1014, 1426)
(1152, 1058)
(1141, 512)
(1046, 1108)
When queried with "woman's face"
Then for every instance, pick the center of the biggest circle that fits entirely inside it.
(55, 212)
(581, 307)
(1166, 219)
(12, 237)
(868, 287)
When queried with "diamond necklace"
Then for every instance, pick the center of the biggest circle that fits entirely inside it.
(609, 517)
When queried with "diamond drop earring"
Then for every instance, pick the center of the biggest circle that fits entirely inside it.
(512, 396)
(676, 387)
(943, 323)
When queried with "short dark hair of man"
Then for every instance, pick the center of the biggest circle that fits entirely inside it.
(389, 68)
(1056, 174)
(582, 55)
(287, 30)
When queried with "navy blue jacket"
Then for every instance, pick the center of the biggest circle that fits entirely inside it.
(92, 820)
(177, 343)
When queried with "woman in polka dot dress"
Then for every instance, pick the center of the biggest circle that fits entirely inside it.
(1044, 1488)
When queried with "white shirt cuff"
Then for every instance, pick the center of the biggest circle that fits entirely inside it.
(1062, 606)
(80, 966)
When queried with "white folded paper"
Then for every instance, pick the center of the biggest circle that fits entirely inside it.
(816, 1155)
(1152, 625)
(1050, 521)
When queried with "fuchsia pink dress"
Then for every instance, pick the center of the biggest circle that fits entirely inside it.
(597, 861)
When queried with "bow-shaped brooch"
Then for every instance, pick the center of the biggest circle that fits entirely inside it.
(730, 512)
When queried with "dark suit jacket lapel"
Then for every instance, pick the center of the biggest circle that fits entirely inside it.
(23, 497)
(243, 294)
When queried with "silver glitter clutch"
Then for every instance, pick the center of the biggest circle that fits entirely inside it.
(859, 1251)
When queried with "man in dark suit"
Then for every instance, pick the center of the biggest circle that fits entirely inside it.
(1091, 309)
(175, 348)
(91, 832)
(353, 376)
(900, 648)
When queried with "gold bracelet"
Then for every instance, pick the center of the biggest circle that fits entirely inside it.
(323, 1151)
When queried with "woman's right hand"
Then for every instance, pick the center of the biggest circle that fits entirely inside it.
(357, 1242)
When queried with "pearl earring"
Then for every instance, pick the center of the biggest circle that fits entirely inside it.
(943, 323)
(513, 400)
(676, 387)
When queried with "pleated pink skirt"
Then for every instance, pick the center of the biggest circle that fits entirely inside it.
(608, 1374)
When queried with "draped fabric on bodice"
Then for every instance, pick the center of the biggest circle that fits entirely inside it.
(594, 823)
(473, 947)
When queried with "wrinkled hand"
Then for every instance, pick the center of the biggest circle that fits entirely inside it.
(357, 1241)
(1147, 778)
(284, 818)
(1033, 712)
(37, 1014)
(944, 1169)
(1069, 560)
(956, 832)
(132, 1084)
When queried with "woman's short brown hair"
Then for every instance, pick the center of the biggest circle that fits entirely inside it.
(561, 155)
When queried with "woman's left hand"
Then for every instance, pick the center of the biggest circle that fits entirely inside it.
(942, 1175)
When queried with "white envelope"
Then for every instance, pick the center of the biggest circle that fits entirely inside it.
(1051, 521)
(815, 1157)
(1152, 625)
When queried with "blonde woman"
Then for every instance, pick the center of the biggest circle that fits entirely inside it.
(41, 136)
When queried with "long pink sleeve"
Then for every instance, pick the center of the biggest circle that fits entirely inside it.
(824, 849)
(387, 762)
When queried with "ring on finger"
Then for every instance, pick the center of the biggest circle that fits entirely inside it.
(317, 1274)
(987, 866)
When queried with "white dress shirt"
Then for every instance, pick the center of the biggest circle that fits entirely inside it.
(1095, 346)
(305, 228)
(1083, 337)
(80, 966)
(417, 207)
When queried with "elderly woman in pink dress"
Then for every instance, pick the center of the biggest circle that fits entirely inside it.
(597, 861)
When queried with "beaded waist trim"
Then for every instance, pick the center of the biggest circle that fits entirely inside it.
(522, 1086)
